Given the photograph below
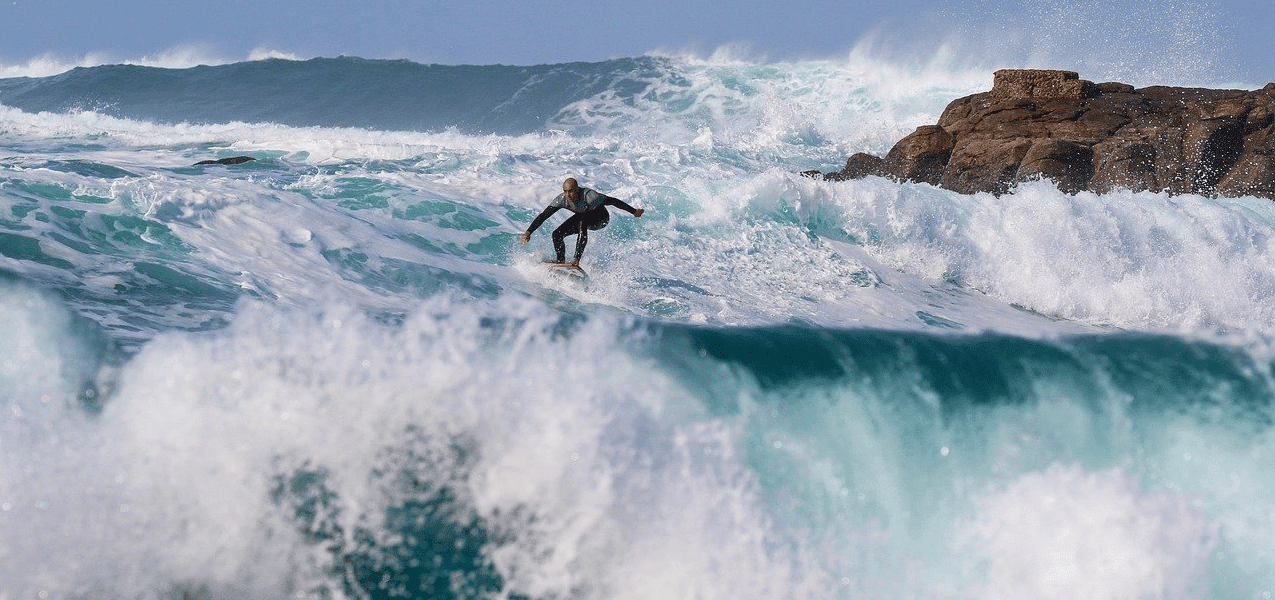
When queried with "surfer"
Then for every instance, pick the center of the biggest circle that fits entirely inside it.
(590, 211)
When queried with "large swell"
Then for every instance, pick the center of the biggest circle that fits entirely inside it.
(332, 372)
(474, 450)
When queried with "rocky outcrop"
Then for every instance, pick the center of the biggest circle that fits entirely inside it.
(233, 160)
(1087, 136)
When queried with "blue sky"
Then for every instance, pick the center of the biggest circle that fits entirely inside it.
(1210, 42)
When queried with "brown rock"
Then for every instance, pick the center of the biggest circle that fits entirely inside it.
(1211, 147)
(1259, 118)
(1121, 163)
(858, 166)
(985, 165)
(1069, 164)
(921, 156)
(1085, 136)
(1115, 88)
(1253, 176)
(1040, 83)
(1254, 172)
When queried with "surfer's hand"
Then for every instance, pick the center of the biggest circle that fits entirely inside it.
(526, 237)
(638, 212)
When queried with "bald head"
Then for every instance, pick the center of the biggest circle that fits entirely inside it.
(569, 184)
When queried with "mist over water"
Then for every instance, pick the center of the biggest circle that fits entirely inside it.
(332, 372)
(1139, 42)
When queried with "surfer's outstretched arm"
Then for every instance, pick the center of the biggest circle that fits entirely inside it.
(620, 204)
(536, 223)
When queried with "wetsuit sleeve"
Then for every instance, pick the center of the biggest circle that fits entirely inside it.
(539, 220)
(616, 202)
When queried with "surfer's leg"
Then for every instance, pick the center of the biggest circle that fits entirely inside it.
(559, 247)
(568, 227)
(582, 239)
(595, 219)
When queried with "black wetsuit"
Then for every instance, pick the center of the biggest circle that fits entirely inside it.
(590, 214)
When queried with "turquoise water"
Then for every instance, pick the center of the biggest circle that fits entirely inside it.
(332, 372)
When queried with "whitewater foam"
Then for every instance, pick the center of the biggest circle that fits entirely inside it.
(1065, 533)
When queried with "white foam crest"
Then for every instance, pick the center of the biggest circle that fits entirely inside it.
(265, 53)
(46, 65)
(745, 253)
(47, 442)
(182, 56)
(303, 144)
(724, 55)
(601, 478)
(943, 71)
(862, 102)
(1066, 533)
(1133, 261)
(1222, 465)
(45, 362)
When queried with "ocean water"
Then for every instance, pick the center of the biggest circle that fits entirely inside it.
(333, 373)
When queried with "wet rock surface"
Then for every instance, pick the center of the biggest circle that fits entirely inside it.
(1089, 137)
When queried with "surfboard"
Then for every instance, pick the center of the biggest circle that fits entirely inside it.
(565, 269)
